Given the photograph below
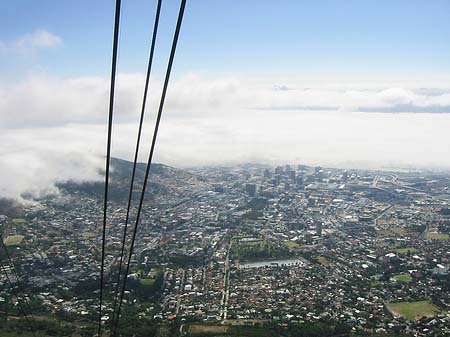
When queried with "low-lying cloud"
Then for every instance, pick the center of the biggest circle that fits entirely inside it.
(54, 129)
(50, 101)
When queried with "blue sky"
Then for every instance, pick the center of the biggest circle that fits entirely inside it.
(278, 38)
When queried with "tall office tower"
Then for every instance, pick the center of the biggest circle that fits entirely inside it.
(292, 175)
(250, 189)
(319, 226)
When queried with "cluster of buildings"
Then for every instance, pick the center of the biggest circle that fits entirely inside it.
(253, 243)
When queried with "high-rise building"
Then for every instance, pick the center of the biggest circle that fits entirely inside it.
(319, 226)
(292, 175)
(276, 179)
(267, 173)
(250, 189)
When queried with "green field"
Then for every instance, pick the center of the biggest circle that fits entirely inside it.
(402, 278)
(435, 236)
(147, 281)
(14, 240)
(413, 310)
(18, 221)
(291, 244)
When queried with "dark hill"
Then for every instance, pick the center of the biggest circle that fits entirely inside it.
(162, 178)
(10, 208)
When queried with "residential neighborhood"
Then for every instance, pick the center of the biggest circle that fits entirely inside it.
(248, 245)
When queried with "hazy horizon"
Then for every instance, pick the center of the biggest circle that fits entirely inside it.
(314, 83)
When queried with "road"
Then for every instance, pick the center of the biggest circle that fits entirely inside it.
(180, 292)
(226, 286)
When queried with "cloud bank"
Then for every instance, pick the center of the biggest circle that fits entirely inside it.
(54, 128)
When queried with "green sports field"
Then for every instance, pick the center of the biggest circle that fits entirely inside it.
(14, 240)
(413, 310)
(402, 278)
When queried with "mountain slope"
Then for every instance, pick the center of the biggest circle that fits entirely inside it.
(162, 179)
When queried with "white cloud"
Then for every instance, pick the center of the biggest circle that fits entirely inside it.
(32, 160)
(46, 100)
(31, 42)
(38, 39)
(54, 129)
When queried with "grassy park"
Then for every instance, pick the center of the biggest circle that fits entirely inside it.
(291, 244)
(402, 278)
(14, 240)
(148, 282)
(413, 310)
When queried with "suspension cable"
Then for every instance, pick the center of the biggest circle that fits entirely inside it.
(152, 149)
(108, 154)
(33, 331)
(13, 268)
(136, 152)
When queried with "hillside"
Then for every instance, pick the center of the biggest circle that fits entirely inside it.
(163, 179)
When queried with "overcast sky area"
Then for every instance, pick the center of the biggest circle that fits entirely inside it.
(357, 84)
